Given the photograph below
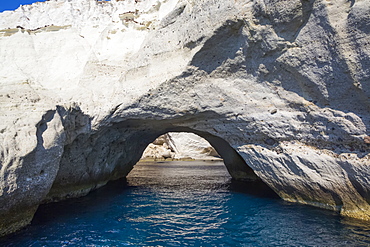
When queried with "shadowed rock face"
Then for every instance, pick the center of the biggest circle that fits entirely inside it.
(86, 166)
(279, 88)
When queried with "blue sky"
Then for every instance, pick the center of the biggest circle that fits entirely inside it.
(14, 4)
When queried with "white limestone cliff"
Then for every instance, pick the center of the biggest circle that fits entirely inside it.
(280, 88)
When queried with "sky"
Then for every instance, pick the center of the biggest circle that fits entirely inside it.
(14, 4)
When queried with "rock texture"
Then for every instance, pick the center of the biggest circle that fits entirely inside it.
(280, 88)
(180, 146)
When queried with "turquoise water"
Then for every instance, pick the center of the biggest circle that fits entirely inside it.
(186, 204)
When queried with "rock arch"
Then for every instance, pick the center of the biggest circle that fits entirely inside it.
(90, 161)
(279, 81)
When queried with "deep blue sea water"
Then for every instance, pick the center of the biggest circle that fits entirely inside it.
(186, 204)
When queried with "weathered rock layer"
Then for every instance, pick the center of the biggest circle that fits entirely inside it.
(279, 88)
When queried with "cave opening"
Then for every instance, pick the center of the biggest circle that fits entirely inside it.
(181, 154)
(215, 146)
(196, 145)
(90, 162)
(187, 185)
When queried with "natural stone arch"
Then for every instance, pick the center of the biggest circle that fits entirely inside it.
(234, 163)
(90, 161)
(284, 78)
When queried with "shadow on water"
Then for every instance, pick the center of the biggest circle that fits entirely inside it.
(187, 203)
(97, 199)
(254, 188)
(54, 213)
(103, 197)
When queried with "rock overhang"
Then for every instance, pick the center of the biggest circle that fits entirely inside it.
(279, 81)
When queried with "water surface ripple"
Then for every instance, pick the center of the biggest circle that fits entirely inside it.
(186, 204)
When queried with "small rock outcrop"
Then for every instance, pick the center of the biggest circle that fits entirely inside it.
(280, 89)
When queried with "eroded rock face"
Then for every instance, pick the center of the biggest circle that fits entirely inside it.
(280, 85)
(180, 146)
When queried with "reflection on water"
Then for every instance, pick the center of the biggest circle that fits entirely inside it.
(186, 204)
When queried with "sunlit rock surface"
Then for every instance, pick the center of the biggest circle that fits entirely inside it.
(283, 85)
(180, 146)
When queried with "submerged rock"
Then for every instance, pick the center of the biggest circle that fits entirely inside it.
(279, 88)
